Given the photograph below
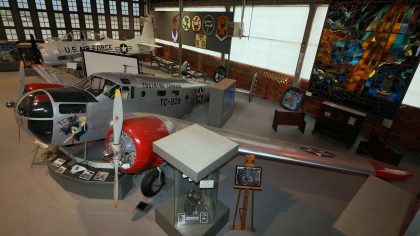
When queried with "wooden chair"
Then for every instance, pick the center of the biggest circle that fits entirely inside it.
(42, 145)
(290, 112)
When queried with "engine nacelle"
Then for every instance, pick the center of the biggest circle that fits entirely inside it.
(137, 137)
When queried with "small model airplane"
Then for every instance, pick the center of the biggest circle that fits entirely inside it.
(68, 48)
(69, 115)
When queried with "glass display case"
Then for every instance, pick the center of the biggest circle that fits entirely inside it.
(9, 56)
(8, 52)
(195, 203)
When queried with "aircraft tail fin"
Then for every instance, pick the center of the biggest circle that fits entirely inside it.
(146, 41)
(147, 36)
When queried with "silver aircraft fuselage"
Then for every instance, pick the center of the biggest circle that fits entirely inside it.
(83, 112)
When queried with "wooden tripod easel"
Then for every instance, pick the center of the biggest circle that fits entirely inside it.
(249, 162)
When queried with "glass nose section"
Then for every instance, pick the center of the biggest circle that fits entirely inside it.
(35, 114)
(35, 105)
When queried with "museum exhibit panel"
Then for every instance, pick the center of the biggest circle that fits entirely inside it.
(155, 104)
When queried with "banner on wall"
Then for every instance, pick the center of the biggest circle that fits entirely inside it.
(222, 27)
(207, 30)
(200, 40)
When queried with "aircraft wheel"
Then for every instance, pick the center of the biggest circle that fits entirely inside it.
(151, 183)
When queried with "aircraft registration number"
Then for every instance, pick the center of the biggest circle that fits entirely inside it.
(169, 101)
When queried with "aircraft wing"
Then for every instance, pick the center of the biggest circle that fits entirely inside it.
(297, 154)
(150, 45)
(147, 47)
(53, 75)
(294, 153)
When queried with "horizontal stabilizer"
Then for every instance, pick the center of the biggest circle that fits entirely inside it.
(150, 45)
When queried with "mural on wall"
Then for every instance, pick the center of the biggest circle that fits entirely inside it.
(367, 55)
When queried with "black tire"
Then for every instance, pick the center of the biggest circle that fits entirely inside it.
(150, 184)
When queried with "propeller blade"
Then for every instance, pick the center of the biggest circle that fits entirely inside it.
(116, 182)
(117, 117)
(35, 50)
(21, 78)
(117, 122)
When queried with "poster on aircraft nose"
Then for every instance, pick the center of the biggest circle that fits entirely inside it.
(198, 29)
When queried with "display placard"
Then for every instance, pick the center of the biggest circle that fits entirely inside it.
(248, 177)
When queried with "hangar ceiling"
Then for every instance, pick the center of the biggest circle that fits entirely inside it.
(186, 3)
(174, 3)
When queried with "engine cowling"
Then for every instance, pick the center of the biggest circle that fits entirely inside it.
(138, 135)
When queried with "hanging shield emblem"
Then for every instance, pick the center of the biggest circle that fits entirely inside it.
(174, 31)
(186, 23)
(208, 24)
(222, 27)
(196, 24)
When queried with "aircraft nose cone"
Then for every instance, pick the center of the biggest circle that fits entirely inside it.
(34, 113)
(35, 105)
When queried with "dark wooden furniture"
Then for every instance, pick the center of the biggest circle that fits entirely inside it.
(340, 123)
(191, 73)
(167, 64)
(284, 117)
(379, 150)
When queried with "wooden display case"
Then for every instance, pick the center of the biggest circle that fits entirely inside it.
(340, 123)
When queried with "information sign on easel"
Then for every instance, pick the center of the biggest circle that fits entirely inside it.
(247, 178)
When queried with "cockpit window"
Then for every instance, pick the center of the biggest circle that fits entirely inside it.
(125, 93)
(76, 35)
(125, 81)
(72, 108)
(35, 105)
(96, 86)
(67, 37)
(111, 92)
(92, 36)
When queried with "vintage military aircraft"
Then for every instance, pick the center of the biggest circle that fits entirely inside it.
(131, 148)
(59, 51)
(69, 115)
(82, 112)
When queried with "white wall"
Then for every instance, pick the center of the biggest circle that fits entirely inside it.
(412, 97)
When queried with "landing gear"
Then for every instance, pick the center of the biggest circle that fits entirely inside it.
(152, 182)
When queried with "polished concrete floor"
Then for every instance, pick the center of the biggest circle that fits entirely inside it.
(295, 200)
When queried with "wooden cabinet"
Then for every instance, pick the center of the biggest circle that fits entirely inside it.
(340, 123)
(283, 117)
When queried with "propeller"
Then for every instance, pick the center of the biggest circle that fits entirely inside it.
(21, 78)
(35, 50)
(12, 104)
(21, 86)
(117, 121)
